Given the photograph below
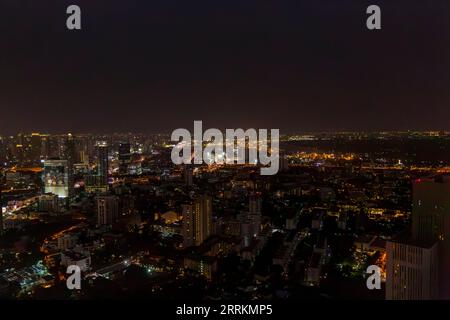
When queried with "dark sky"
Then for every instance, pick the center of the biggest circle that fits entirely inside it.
(157, 65)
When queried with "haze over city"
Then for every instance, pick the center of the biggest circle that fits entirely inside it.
(156, 66)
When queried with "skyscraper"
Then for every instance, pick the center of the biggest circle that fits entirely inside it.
(188, 176)
(197, 221)
(102, 163)
(412, 262)
(188, 225)
(250, 221)
(431, 222)
(36, 147)
(71, 156)
(124, 157)
(107, 210)
(254, 204)
(431, 209)
(1, 202)
(412, 269)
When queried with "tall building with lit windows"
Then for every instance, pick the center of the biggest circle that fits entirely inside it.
(188, 225)
(1, 204)
(124, 157)
(35, 151)
(411, 263)
(97, 181)
(188, 176)
(250, 221)
(107, 210)
(197, 221)
(56, 177)
(71, 156)
(412, 270)
(102, 162)
(431, 222)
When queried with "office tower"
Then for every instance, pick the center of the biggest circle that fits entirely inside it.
(56, 177)
(430, 227)
(44, 145)
(107, 210)
(197, 221)
(431, 209)
(254, 204)
(203, 211)
(412, 269)
(3, 150)
(1, 203)
(188, 175)
(124, 157)
(431, 222)
(250, 221)
(254, 212)
(188, 225)
(35, 147)
(84, 157)
(48, 203)
(19, 154)
(102, 163)
(70, 151)
(51, 147)
(71, 156)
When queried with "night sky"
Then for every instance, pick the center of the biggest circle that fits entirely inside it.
(157, 65)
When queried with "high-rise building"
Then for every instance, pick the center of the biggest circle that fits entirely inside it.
(188, 175)
(56, 177)
(84, 157)
(431, 209)
(254, 204)
(188, 225)
(197, 221)
(35, 147)
(51, 146)
(431, 222)
(19, 153)
(427, 248)
(107, 210)
(124, 157)
(48, 203)
(1, 203)
(412, 270)
(250, 221)
(71, 156)
(45, 145)
(102, 163)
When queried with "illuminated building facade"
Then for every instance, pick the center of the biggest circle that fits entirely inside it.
(1, 204)
(431, 222)
(71, 155)
(412, 271)
(102, 163)
(124, 157)
(417, 267)
(56, 177)
(197, 221)
(188, 175)
(107, 210)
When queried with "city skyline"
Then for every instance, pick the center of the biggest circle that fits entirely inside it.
(241, 152)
